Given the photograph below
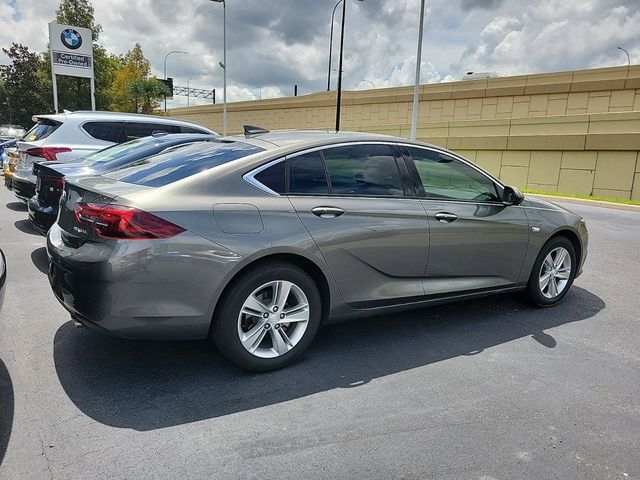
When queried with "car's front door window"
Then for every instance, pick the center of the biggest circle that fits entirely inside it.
(445, 177)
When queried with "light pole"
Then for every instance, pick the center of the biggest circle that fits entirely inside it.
(223, 64)
(165, 70)
(339, 96)
(628, 57)
(331, 45)
(416, 89)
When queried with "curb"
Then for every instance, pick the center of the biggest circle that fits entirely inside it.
(584, 201)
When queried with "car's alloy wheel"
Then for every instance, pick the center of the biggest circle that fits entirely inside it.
(273, 319)
(267, 317)
(555, 272)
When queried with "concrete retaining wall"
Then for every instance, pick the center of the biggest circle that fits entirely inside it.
(569, 132)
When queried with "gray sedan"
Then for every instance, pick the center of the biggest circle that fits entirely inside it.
(255, 241)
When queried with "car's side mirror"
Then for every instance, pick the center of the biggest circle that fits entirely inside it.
(512, 196)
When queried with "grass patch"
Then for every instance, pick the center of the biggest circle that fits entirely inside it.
(584, 197)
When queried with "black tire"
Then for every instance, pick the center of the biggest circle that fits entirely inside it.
(533, 293)
(224, 332)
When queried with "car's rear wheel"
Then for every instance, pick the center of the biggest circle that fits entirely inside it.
(553, 272)
(268, 317)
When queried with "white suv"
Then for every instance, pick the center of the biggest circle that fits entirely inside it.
(67, 136)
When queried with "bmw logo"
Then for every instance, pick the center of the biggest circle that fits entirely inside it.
(71, 39)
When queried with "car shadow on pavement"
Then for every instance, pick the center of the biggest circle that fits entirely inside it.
(151, 385)
(6, 409)
(40, 259)
(25, 226)
(17, 206)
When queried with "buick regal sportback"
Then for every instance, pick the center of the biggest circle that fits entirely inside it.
(255, 241)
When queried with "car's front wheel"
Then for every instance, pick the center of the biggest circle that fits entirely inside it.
(268, 317)
(553, 272)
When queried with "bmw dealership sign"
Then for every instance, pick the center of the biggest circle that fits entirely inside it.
(71, 50)
(71, 54)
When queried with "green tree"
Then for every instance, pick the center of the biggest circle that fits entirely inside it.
(79, 13)
(147, 93)
(133, 66)
(25, 91)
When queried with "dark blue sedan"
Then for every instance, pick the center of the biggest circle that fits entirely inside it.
(43, 206)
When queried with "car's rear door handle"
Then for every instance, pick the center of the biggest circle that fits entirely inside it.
(327, 212)
(446, 217)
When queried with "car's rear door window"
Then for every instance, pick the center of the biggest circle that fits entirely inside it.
(106, 131)
(363, 170)
(179, 163)
(144, 129)
(307, 175)
(445, 177)
(186, 129)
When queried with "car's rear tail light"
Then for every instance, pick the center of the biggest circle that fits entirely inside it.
(122, 222)
(48, 153)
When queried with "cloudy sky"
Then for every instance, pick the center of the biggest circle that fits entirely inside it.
(274, 44)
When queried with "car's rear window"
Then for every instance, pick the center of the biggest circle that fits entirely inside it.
(41, 130)
(179, 163)
(118, 150)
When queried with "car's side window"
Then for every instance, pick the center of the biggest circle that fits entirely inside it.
(145, 129)
(107, 131)
(307, 175)
(446, 177)
(363, 170)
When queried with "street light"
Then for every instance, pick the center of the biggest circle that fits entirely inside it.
(339, 96)
(368, 81)
(331, 45)
(416, 88)
(165, 70)
(223, 64)
(628, 57)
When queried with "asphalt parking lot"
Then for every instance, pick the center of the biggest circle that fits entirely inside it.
(486, 389)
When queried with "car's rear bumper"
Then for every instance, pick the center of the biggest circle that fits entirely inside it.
(139, 289)
(23, 188)
(41, 217)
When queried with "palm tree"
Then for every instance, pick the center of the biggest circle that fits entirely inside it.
(147, 93)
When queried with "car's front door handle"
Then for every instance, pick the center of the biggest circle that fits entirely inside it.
(327, 212)
(446, 217)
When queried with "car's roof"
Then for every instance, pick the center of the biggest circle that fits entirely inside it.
(302, 138)
(115, 116)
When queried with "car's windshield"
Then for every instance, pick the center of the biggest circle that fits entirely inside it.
(176, 164)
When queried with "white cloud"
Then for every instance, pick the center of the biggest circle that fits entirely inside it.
(276, 44)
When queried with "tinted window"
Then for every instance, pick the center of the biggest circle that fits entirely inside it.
(176, 164)
(443, 176)
(363, 170)
(41, 130)
(273, 177)
(107, 131)
(192, 130)
(307, 175)
(144, 129)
